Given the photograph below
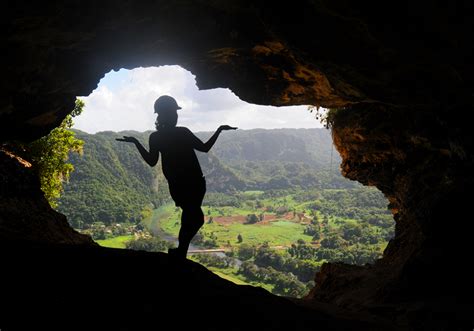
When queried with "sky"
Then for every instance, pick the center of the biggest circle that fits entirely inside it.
(123, 100)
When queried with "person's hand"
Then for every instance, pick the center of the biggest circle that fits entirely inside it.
(128, 139)
(227, 127)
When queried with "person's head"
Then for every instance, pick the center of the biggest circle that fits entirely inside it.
(166, 107)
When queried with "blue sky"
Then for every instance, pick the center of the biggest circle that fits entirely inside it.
(123, 100)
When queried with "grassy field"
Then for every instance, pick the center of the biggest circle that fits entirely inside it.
(116, 242)
(276, 233)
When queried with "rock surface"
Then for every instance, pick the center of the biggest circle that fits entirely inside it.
(25, 214)
(427, 182)
(67, 287)
(326, 53)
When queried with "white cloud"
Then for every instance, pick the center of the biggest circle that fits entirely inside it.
(124, 101)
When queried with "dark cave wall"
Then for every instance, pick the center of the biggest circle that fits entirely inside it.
(401, 76)
(422, 166)
(56, 53)
(327, 53)
(25, 214)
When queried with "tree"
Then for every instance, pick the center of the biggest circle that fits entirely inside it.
(313, 230)
(332, 241)
(351, 232)
(246, 251)
(154, 244)
(252, 219)
(50, 153)
(265, 257)
(99, 234)
(249, 270)
(301, 250)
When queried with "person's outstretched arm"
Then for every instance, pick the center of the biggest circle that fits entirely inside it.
(205, 147)
(150, 157)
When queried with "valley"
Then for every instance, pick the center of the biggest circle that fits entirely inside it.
(275, 210)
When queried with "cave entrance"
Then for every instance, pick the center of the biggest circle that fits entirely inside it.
(276, 206)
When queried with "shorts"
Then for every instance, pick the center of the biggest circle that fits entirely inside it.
(188, 192)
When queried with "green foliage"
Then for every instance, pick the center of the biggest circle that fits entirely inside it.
(284, 283)
(313, 229)
(204, 240)
(301, 250)
(252, 219)
(111, 184)
(325, 116)
(210, 260)
(332, 241)
(49, 156)
(246, 251)
(153, 244)
(217, 199)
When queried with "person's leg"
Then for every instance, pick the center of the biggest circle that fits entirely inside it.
(192, 219)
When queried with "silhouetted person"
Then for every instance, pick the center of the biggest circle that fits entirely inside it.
(180, 165)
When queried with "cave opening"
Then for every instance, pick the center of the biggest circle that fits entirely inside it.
(401, 79)
(276, 208)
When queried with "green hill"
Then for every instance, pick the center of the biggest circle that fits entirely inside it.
(111, 183)
(281, 158)
(309, 146)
